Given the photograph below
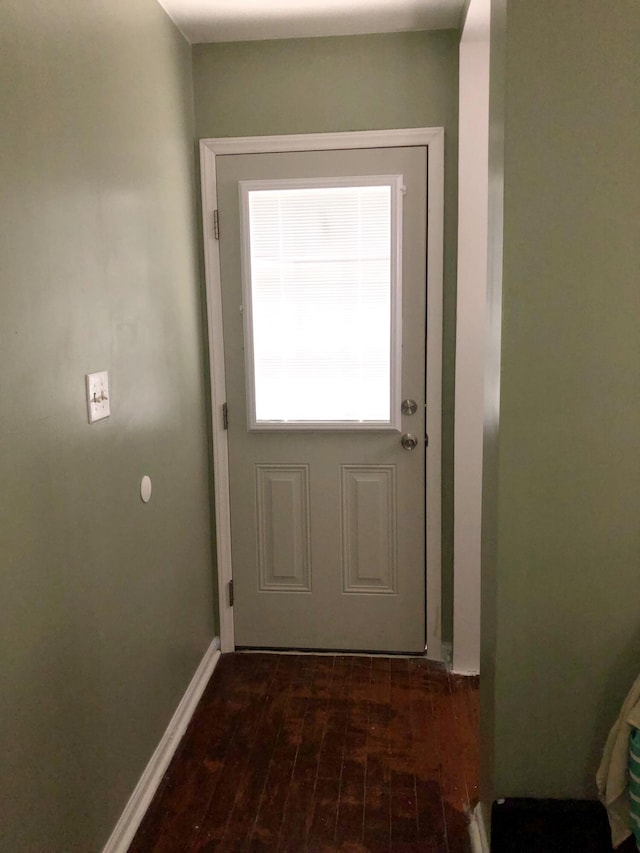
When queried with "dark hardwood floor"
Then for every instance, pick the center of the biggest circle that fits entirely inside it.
(322, 753)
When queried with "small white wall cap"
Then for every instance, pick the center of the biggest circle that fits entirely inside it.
(145, 489)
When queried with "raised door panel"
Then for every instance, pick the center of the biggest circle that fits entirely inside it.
(369, 528)
(284, 559)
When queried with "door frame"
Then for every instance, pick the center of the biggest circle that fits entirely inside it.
(433, 139)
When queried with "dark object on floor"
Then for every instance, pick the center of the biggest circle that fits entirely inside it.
(547, 826)
(321, 752)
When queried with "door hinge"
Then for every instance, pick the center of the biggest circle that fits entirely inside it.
(225, 416)
(230, 588)
(216, 225)
(426, 440)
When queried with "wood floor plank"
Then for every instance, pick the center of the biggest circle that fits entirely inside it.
(330, 753)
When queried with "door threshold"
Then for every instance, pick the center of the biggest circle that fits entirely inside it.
(271, 650)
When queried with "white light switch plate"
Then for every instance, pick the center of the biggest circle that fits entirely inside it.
(98, 396)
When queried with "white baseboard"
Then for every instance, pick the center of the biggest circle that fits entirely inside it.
(458, 670)
(478, 832)
(134, 811)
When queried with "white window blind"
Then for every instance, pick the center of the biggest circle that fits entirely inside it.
(321, 291)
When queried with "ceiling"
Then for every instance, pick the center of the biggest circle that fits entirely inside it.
(240, 20)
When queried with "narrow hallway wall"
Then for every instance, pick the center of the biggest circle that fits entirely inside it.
(561, 562)
(106, 604)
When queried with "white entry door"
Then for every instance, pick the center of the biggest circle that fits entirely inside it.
(323, 270)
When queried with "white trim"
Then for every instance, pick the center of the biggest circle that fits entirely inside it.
(323, 141)
(458, 670)
(473, 159)
(433, 139)
(139, 801)
(435, 276)
(478, 831)
(218, 396)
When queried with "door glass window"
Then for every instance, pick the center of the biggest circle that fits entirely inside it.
(322, 302)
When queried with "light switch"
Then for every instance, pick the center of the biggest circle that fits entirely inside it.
(98, 396)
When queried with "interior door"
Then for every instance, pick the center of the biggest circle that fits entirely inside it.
(327, 468)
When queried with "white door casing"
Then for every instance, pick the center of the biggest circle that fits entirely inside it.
(433, 138)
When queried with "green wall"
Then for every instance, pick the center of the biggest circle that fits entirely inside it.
(563, 580)
(106, 604)
(349, 83)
